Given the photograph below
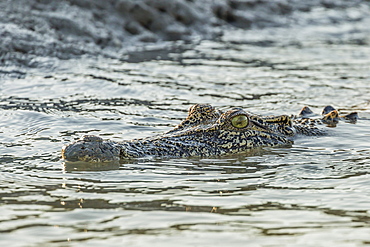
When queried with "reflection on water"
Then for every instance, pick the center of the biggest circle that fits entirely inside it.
(314, 193)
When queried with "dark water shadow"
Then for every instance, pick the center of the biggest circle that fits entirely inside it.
(69, 166)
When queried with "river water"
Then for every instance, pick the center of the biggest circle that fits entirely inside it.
(315, 193)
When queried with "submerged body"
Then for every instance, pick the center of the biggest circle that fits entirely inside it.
(206, 132)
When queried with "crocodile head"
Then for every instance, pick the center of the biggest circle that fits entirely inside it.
(205, 132)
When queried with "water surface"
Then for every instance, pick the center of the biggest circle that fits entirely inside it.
(315, 193)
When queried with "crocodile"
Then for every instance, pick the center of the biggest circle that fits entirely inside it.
(207, 132)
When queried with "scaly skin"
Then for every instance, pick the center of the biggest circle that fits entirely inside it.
(205, 132)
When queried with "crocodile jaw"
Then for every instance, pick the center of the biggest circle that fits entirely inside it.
(91, 149)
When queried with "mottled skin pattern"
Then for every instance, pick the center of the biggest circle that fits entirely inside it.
(206, 132)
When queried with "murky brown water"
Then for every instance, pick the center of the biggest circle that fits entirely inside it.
(313, 194)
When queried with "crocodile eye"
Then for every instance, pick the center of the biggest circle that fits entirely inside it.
(240, 121)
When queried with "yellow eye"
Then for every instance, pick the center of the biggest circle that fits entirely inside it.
(240, 121)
